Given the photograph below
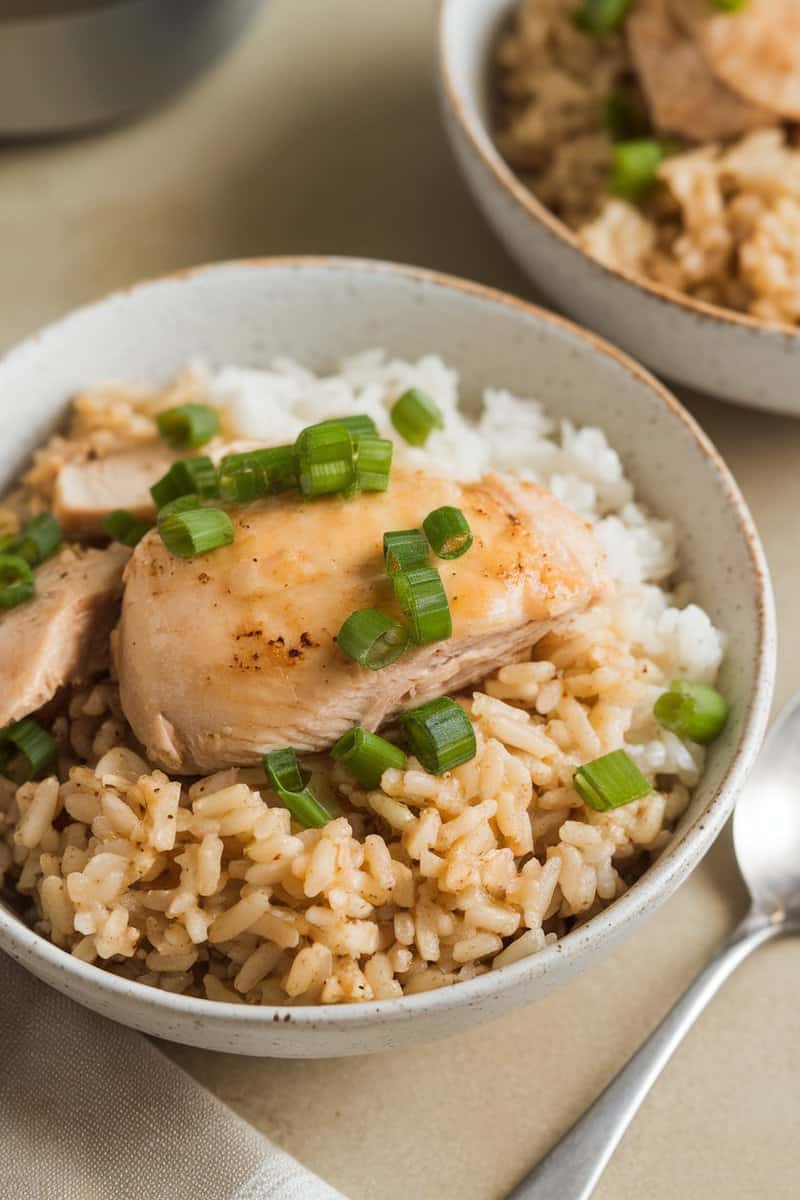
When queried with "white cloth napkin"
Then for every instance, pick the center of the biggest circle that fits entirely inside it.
(92, 1111)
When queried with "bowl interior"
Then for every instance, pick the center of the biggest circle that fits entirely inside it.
(320, 310)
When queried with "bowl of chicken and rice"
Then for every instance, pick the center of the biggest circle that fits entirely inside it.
(640, 161)
(377, 651)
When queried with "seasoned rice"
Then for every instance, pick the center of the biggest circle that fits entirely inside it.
(207, 887)
(725, 226)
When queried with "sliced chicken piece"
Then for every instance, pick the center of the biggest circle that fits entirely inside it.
(62, 634)
(223, 657)
(86, 492)
(683, 94)
(755, 50)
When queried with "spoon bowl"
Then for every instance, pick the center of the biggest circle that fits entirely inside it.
(766, 824)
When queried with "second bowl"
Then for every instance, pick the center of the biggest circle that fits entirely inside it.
(712, 349)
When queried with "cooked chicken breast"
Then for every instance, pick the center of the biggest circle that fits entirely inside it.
(86, 492)
(683, 94)
(62, 634)
(754, 49)
(223, 657)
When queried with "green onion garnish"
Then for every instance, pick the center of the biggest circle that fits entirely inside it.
(601, 16)
(16, 581)
(239, 484)
(359, 425)
(41, 538)
(423, 602)
(257, 473)
(182, 504)
(440, 734)
(624, 115)
(198, 531)
(122, 526)
(284, 776)
(692, 710)
(37, 747)
(635, 166)
(448, 532)
(372, 639)
(610, 781)
(325, 456)
(373, 462)
(404, 549)
(729, 5)
(188, 426)
(367, 755)
(184, 477)
(415, 415)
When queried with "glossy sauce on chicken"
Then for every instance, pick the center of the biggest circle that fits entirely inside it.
(223, 657)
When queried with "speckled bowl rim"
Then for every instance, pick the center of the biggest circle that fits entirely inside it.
(483, 145)
(658, 882)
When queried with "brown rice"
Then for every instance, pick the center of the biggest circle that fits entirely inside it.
(725, 226)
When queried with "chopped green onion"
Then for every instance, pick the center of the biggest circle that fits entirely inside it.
(610, 781)
(188, 426)
(359, 425)
(729, 5)
(257, 473)
(16, 581)
(182, 504)
(372, 639)
(373, 462)
(367, 755)
(122, 526)
(118, 523)
(184, 477)
(36, 746)
(440, 734)
(415, 415)
(624, 115)
(325, 457)
(692, 710)
(448, 531)
(423, 602)
(240, 484)
(404, 549)
(280, 465)
(601, 16)
(284, 776)
(635, 166)
(41, 538)
(198, 531)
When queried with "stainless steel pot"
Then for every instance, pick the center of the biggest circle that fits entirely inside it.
(66, 65)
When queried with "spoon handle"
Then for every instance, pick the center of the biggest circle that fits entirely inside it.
(573, 1167)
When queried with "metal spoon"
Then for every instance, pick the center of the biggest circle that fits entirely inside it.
(766, 834)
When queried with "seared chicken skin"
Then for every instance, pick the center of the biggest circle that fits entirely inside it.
(223, 657)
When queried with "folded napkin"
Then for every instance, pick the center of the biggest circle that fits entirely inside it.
(92, 1111)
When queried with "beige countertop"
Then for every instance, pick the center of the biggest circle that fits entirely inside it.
(320, 134)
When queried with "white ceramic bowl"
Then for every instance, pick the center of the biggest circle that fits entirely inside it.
(710, 348)
(318, 310)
